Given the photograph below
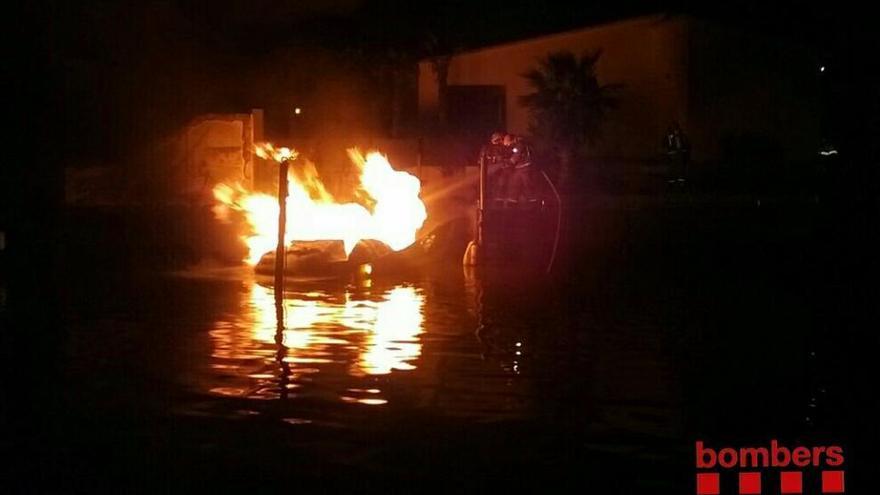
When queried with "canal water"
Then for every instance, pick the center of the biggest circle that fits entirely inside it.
(603, 375)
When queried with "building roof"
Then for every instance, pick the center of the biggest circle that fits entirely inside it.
(647, 19)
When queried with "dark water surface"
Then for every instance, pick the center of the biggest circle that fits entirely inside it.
(603, 376)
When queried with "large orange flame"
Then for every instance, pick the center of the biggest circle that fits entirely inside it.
(393, 214)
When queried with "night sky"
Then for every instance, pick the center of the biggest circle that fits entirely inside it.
(88, 79)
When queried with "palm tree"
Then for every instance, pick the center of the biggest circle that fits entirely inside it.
(392, 71)
(568, 105)
(439, 50)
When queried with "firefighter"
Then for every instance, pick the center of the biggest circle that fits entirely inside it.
(678, 151)
(519, 187)
(496, 156)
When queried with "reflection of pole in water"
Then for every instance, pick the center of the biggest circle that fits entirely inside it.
(281, 350)
(473, 286)
(487, 333)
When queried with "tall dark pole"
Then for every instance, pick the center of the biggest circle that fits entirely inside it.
(481, 212)
(280, 251)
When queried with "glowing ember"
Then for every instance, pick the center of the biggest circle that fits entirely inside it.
(393, 212)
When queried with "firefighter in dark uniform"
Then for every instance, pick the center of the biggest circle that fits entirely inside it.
(678, 151)
(519, 188)
(496, 156)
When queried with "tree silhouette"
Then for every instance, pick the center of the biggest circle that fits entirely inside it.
(568, 105)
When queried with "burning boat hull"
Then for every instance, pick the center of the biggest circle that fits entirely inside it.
(323, 258)
(327, 259)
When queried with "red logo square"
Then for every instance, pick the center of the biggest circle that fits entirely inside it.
(832, 481)
(750, 483)
(791, 482)
(707, 484)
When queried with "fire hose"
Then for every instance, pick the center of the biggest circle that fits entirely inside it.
(558, 221)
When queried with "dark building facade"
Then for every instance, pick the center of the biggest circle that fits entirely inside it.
(729, 90)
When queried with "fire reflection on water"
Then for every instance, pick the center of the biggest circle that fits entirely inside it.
(358, 333)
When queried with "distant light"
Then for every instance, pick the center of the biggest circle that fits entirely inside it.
(821, 68)
(828, 152)
(298, 110)
(515, 150)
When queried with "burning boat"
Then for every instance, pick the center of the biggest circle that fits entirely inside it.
(324, 258)
(327, 259)
(377, 228)
(324, 236)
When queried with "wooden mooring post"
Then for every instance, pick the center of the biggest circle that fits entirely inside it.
(281, 250)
